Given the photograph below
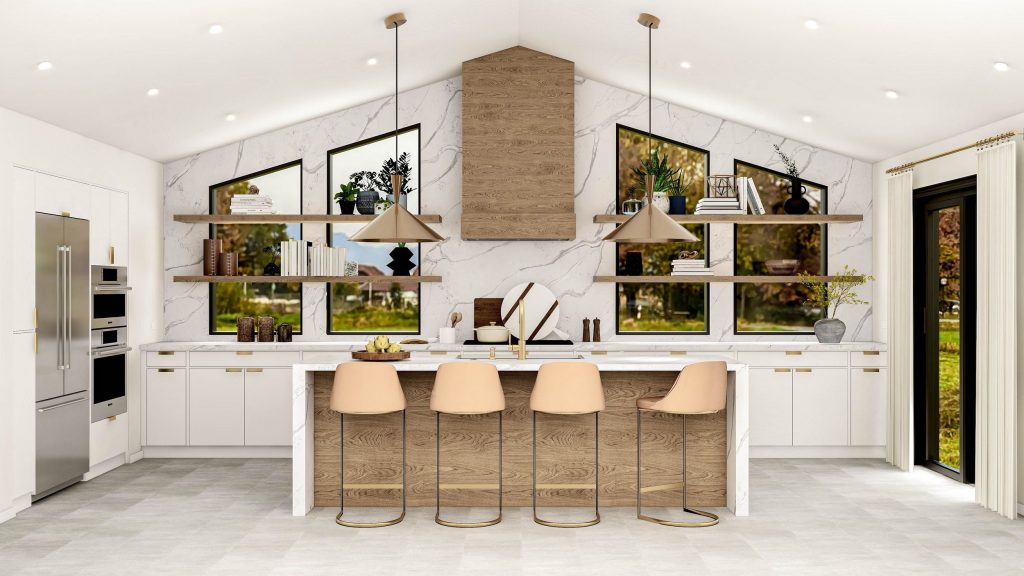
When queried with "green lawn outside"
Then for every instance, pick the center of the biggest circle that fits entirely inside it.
(949, 394)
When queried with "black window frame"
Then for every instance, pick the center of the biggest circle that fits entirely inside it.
(330, 229)
(735, 248)
(707, 239)
(211, 317)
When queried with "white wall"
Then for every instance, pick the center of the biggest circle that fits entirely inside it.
(32, 144)
(943, 170)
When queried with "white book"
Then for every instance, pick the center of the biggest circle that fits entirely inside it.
(741, 193)
(753, 198)
(718, 212)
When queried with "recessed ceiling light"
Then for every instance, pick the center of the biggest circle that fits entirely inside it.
(892, 94)
(371, 62)
(808, 119)
(44, 66)
(216, 29)
(1001, 66)
(684, 65)
(811, 24)
(152, 92)
(231, 118)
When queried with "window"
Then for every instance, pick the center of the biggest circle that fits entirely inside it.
(255, 245)
(784, 249)
(659, 308)
(379, 307)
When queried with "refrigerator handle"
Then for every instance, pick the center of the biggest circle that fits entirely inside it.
(60, 307)
(67, 307)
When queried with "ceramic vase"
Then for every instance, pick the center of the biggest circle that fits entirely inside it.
(829, 330)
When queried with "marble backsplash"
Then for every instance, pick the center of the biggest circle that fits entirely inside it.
(489, 269)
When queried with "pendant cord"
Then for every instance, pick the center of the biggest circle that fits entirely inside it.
(650, 83)
(396, 99)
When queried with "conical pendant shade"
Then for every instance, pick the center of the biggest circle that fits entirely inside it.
(396, 224)
(651, 225)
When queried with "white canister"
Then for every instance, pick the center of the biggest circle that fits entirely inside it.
(446, 336)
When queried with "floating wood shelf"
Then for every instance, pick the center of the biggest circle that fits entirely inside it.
(301, 279)
(743, 218)
(694, 279)
(288, 218)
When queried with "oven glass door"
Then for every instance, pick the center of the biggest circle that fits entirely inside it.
(109, 309)
(108, 378)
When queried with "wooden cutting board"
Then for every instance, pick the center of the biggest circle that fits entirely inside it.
(487, 310)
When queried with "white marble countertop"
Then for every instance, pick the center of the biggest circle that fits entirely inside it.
(613, 346)
(638, 363)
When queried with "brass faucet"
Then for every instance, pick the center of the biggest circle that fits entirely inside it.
(519, 348)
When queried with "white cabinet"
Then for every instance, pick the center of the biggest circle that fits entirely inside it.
(108, 227)
(119, 228)
(21, 372)
(268, 407)
(108, 438)
(216, 407)
(771, 407)
(22, 222)
(869, 406)
(166, 407)
(62, 196)
(820, 407)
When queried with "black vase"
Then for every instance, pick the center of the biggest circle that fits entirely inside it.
(366, 200)
(634, 264)
(796, 203)
(347, 206)
(272, 269)
(401, 261)
(677, 204)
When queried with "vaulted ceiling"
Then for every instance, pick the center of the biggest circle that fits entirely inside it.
(276, 63)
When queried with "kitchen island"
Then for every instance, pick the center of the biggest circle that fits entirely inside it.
(717, 444)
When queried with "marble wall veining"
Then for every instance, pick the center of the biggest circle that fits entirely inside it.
(490, 269)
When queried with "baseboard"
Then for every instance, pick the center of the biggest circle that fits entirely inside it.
(133, 458)
(218, 451)
(817, 452)
(20, 503)
(104, 467)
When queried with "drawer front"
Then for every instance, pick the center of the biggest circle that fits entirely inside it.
(232, 359)
(325, 357)
(162, 359)
(869, 359)
(795, 359)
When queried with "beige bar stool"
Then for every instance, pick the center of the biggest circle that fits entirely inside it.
(567, 388)
(699, 389)
(367, 388)
(463, 389)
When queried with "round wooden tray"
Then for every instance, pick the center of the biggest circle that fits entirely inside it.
(380, 356)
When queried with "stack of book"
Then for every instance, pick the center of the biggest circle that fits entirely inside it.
(692, 267)
(252, 204)
(720, 206)
(301, 258)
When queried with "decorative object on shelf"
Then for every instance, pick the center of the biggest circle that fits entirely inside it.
(381, 349)
(650, 224)
(632, 206)
(723, 186)
(383, 179)
(541, 311)
(211, 248)
(447, 334)
(753, 197)
(401, 260)
(597, 329)
(634, 263)
(272, 269)
(677, 202)
(796, 203)
(586, 329)
(351, 268)
(265, 329)
(781, 267)
(725, 196)
(246, 326)
(382, 205)
(251, 203)
(227, 264)
(689, 263)
(492, 333)
(366, 198)
(284, 332)
(346, 197)
(829, 296)
(396, 224)
(666, 180)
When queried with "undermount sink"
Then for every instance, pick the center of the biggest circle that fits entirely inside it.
(530, 355)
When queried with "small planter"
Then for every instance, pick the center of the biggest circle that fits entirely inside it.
(401, 261)
(829, 330)
(347, 206)
(366, 201)
(677, 204)
(661, 201)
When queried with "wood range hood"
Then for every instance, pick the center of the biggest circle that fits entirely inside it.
(517, 147)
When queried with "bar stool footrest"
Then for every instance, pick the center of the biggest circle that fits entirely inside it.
(553, 524)
(380, 524)
(713, 519)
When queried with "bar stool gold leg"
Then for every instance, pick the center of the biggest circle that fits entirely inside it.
(597, 473)
(341, 489)
(437, 511)
(713, 519)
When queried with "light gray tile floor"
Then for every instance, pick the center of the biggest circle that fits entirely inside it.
(809, 517)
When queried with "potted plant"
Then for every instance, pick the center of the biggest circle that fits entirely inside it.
(796, 203)
(829, 296)
(366, 197)
(381, 205)
(666, 180)
(346, 197)
(382, 180)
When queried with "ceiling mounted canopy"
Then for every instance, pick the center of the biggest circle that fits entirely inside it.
(396, 224)
(650, 224)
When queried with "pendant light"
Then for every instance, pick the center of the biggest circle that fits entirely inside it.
(650, 224)
(396, 224)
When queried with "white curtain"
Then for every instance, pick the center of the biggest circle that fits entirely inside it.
(899, 447)
(996, 458)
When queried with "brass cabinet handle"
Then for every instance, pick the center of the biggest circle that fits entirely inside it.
(677, 353)
(254, 369)
(786, 370)
(232, 369)
(802, 369)
(599, 353)
(111, 253)
(35, 332)
(793, 353)
(243, 353)
(165, 353)
(437, 353)
(871, 369)
(165, 369)
(871, 353)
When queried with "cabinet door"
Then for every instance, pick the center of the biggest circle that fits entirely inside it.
(119, 228)
(61, 196)
(268, 407)
(820, 407)
(22, 303)
(771, 407)
(99, 226)
(20, 369)
(869, 406)
(166, 407)
(216, 407)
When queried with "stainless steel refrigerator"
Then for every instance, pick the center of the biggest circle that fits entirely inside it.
(62, 354)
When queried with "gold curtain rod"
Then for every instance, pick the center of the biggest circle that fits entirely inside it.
(977, 144)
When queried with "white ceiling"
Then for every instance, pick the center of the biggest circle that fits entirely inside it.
(279, 62)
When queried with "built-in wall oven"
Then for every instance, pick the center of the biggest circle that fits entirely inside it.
(109, 341)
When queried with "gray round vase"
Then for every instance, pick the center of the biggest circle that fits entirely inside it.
(829, 330)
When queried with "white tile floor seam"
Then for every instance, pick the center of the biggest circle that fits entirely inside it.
(234, 517)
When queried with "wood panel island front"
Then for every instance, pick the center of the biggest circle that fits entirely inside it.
(717, 444)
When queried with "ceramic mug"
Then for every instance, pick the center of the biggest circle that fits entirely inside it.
(446, 336)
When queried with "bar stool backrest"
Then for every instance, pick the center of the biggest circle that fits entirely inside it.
(699, 389)
(568, 388)
(467, 388)
(366, 388)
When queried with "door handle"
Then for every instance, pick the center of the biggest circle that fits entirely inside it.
(35, 330)
(793, 353)
(232, 369)
(111, 254)
(243, 353)
(871, 369)
(60, 307)
(165, 369)
(254, 369)
(67, 306)
(803, 369)
(782, 370)
(164, 353)
(47, 409)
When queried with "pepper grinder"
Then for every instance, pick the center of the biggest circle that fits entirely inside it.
(586, 329)
(597, 329)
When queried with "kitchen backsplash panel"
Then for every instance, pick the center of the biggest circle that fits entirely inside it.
(489, 269)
